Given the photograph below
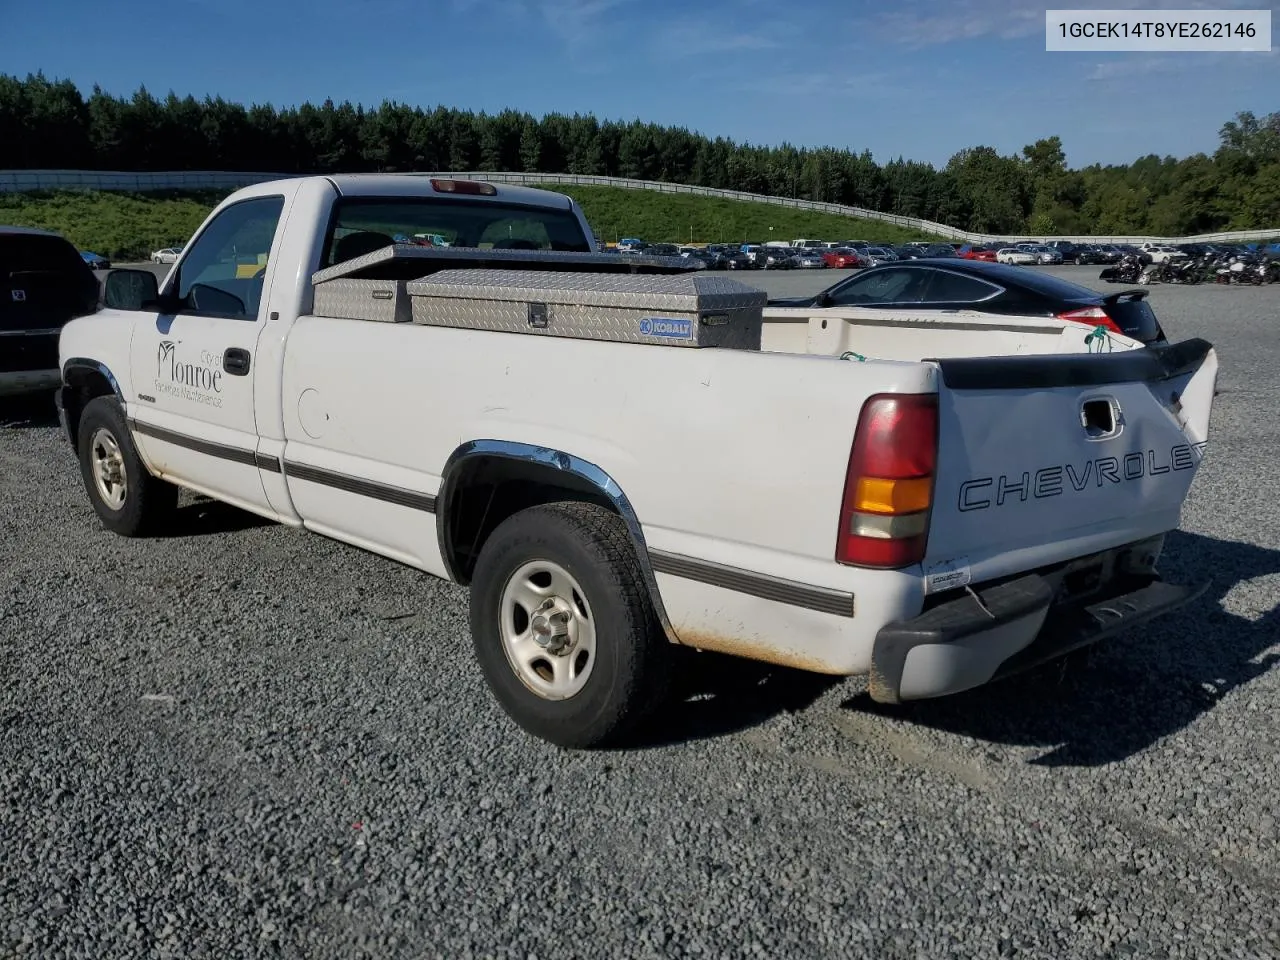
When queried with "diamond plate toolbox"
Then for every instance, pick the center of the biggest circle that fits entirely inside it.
(690, 310)
(349, 299)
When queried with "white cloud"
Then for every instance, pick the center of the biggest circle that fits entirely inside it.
(699, 38)
(958, 20)
(578, 23)
(825, 84)
(934, 24)
(1143, 65)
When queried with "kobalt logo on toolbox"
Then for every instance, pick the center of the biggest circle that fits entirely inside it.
(669, 327)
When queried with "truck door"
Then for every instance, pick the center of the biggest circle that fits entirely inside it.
(193, 360)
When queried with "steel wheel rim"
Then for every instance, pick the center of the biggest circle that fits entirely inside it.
(547, 630)
(108, 469)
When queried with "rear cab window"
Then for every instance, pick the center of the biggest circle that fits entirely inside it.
(361, 225)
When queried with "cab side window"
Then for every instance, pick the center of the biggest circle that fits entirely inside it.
(223, 271)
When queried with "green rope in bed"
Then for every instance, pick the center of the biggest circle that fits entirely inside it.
(1099, 335)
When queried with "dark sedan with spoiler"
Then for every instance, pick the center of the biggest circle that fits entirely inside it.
(947, 285)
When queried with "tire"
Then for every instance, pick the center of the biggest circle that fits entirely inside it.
(125, 496)
(611, 620)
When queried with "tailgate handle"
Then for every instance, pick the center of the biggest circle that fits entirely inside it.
(1101, 418)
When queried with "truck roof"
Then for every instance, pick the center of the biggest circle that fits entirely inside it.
(418, 184)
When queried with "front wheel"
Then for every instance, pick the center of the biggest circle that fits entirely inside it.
(563, 626)
(125, 496)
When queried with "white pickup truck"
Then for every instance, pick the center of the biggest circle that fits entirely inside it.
(618, 454)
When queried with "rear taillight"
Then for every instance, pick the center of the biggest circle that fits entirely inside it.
(475, 188)
(1093, 316)
(888, 491)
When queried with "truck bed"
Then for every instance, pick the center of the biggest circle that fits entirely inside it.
(901, 337)
(347, 290)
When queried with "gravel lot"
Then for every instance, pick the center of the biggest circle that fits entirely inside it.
(244, 741)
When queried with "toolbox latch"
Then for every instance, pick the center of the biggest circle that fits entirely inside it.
(538, 315)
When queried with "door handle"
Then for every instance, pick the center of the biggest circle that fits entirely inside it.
(235, 360)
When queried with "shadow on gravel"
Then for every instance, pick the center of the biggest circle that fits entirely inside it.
(1124, 694)
(28, 411)
(718, 695)
(203, 517)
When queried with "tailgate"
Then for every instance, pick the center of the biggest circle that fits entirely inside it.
(1046, 458)
(43, 283)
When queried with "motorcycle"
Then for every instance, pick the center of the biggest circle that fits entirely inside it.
(1189, 270)
(1128, 270)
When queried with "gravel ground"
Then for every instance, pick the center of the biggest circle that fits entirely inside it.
(245, 741)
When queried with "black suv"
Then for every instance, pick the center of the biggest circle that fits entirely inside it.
(44, 282)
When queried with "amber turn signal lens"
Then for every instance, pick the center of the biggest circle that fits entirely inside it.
(877, 495)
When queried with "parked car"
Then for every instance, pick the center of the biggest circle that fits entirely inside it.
(928, 515)
(778, 258)
(1082, 254)
(94, 261)
(940, 250)
(809, 259)
(166, 255)
(1144, 256)
(1015, 255)
(1162, 252)
(1078, 253)
(976, 251)
(714, 260)
(843, 258)
(878, 255)
(662, 250)
(44, 283)
(992, 289)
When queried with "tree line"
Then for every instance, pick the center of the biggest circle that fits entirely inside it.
(50, 124)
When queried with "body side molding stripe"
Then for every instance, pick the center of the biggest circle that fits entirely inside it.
(300, 471)
(823, 599)
(220, 450)
(365, 488)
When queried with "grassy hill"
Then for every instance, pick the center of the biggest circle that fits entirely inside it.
(125, 226)
(615, 212)
(119, 226)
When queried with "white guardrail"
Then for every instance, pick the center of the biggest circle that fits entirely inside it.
(28, 181)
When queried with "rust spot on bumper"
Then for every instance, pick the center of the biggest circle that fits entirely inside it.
(751, 648)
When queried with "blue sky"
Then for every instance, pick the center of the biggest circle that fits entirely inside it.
(896, 77)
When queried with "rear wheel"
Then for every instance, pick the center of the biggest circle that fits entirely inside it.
(125, 496)
(563, 626)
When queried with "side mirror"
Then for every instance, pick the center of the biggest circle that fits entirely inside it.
(130, 289)
(822, 300)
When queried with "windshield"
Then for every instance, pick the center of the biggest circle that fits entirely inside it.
(362, 225)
